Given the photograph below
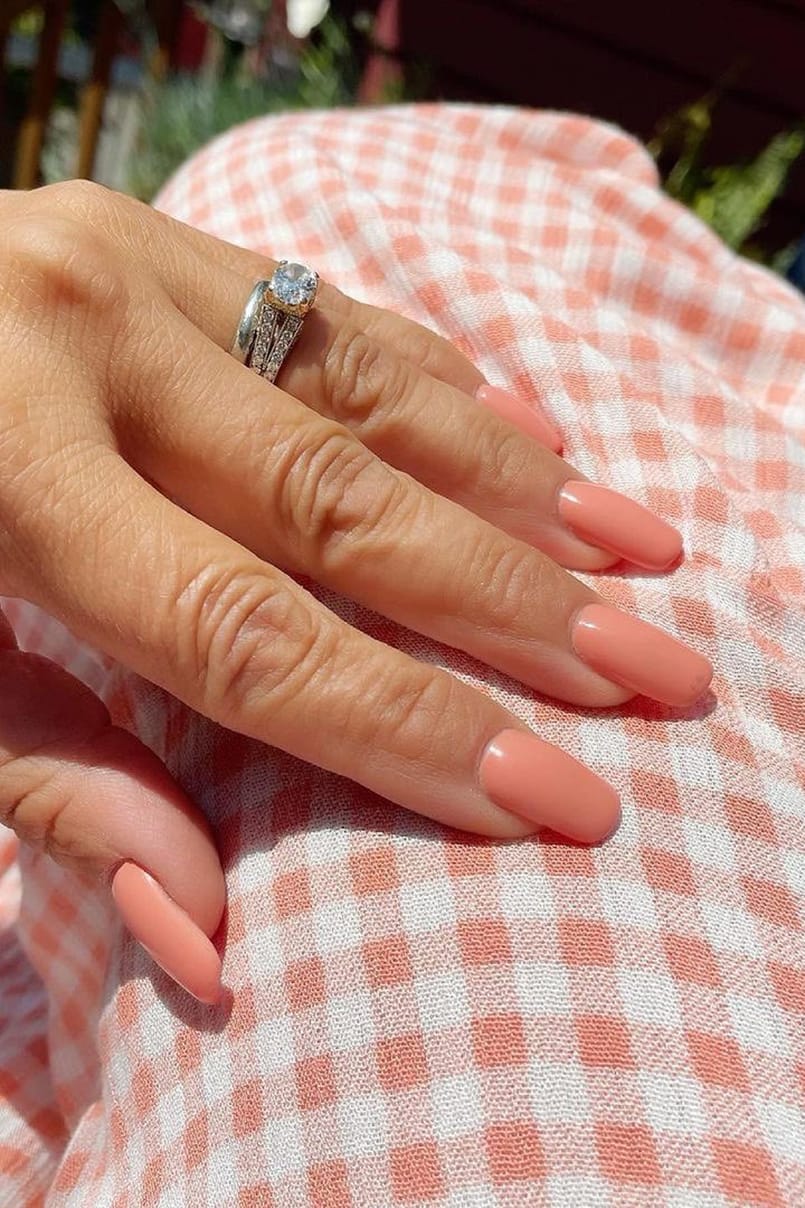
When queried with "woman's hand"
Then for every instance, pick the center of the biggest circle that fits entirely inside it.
(156, 496)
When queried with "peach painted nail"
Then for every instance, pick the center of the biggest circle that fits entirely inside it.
(620, 525)
(170, 936)
(521, 773)
(510, 408)
(639, 656)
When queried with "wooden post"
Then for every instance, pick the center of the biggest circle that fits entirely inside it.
(93, 94)
(32, 131)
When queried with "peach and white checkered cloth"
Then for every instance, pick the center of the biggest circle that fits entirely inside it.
(421, 1016)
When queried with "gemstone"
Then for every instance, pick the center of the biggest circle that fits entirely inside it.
(293, 284)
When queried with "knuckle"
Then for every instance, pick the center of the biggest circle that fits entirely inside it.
(33, 803)
(511, 575)
(42, 809)
(251, 643)
(82, 197)
(499, 459)
(415, 701)
(54, 263)
(334, 497)
(361, 378)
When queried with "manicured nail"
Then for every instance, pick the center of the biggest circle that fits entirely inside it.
(612, 522)
(168, 934)
(521, 773)
(510, 408)
(639, 656)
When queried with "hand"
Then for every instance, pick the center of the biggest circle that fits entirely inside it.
(157, 496)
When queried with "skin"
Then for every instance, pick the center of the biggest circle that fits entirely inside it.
(186, 491)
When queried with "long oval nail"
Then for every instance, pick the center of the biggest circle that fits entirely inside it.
(615, 523)
(168, 934)
(521, 773)
(639, 656)
(527, 418)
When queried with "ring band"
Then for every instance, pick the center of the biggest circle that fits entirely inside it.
(272, 318)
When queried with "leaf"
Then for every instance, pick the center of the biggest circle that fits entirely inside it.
(734, 199)
(685, 133)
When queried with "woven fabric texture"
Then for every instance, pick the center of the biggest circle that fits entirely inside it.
(421, 1016)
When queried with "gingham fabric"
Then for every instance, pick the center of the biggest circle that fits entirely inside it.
(421, 1016)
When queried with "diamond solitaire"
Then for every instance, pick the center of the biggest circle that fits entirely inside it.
(293, 287)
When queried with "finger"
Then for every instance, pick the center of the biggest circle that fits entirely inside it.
(347, 366)
(170, 240)
(241, 642)
(300, 492)
(438, 359)
(99, 802)
(429, 352)
(426, 427)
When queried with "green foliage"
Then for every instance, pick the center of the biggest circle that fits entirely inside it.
(29, 24)
(328, 74)
(183, 114)
(732, 199)
(739, 196)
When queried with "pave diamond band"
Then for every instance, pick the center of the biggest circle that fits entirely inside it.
(272, 318)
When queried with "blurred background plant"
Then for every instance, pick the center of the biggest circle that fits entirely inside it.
(183, 113)
(239, 59)
(731, 198)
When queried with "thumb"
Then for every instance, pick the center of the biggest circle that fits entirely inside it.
(100, 802)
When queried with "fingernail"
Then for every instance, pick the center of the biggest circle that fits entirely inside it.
(639, 656)
(510, 408)
(521, 773)
(168, 934)
(609, 520)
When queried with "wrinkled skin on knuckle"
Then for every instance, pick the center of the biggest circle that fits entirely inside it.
(498, 459)
(334, 497)
(406, 707)
(247, 644)
(361, 379)
(44, 807)
(36, 799)
(92, 204)
(510, 577)
(38, 805)
(48, 719)
(22, 798)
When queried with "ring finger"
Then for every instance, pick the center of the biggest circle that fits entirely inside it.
(364, 368)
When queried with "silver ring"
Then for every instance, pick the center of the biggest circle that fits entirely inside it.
(272, 317)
